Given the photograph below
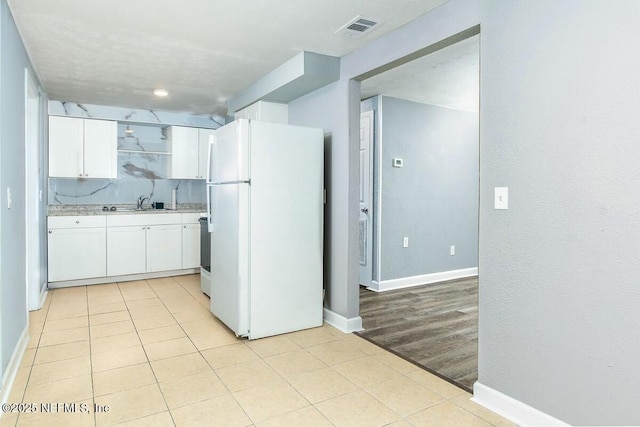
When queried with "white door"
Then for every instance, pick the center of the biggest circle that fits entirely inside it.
(230, 255)
(66, 147)
(126, 250)
(191, 245)
(184, 152)
(164, 247)
(366, 212)
(77, 253)
(100, 148)
(203, 150)
(230, 153)
(33, 197)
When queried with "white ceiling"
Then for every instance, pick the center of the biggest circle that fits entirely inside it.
(449, 77)
(202, 51)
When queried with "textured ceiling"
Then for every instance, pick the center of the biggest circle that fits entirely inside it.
(202, 51)
(449, 77)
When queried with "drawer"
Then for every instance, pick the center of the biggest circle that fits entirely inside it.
(76, 221)
(190, 218)
(143, 219)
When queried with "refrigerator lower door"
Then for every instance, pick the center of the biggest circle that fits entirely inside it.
(230, 255)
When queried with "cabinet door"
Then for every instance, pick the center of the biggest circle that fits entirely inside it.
(184, 152)
(203, 151)
(126, 248)
(191, 246)
(100, 148)
(65, 147)
(77, 253)
(164, 247)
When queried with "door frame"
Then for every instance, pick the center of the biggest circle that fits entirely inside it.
(366, 275)
(35, 287)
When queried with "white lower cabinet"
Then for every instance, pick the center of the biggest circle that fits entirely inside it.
(190, 241)
(164, 249)
(76, 247)
(126, 250)
(103, 246)
(143, 243)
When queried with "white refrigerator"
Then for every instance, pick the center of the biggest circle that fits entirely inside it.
(265, 206)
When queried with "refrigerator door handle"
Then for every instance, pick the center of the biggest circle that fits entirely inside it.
(209, 210)
(231, 182)
(211, 139)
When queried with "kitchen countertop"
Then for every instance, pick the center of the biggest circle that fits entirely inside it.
(71, 210)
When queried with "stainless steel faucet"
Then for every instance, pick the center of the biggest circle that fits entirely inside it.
(141, 201)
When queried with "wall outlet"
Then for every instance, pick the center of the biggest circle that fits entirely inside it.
(405, 242)
(452, 250)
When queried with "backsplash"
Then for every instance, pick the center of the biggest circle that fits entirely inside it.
(72, 191)
(143, 160)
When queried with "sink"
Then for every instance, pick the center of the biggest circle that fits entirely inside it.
(119, 209)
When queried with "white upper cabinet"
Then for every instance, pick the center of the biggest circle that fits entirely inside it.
(265, 112)
(189, 148)
(184, 152)
(82, 148)
(203, 150)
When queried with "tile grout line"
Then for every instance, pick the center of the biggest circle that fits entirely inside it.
(93, 390)
(145, 351)
(201, 355)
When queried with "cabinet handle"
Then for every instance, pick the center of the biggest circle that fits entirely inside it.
(77, 221)
(144, 228)
(50, 231)
(185, 226)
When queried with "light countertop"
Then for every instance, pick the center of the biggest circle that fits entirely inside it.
(72, 210)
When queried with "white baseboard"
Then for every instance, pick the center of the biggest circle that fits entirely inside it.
(353, 324)
(43, 296)
(424, 279)
(9, 375)
(512, 409)
(113, 279)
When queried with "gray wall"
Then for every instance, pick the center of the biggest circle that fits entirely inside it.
(559, 300)
(341, 210)
(559, 289)
(433, 198)
(13, 60)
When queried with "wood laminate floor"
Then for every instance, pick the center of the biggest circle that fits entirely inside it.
(435, 326)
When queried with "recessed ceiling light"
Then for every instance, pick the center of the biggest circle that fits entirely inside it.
(160, 92)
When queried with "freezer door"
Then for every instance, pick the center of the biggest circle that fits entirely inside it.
(229, 153)
(230, 255)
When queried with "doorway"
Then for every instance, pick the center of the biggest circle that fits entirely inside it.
(425, 209)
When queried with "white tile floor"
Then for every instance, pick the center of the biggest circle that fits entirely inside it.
(152, 352)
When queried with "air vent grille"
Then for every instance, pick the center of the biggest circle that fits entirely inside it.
(357, 27)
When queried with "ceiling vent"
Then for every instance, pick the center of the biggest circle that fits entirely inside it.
(357, 27)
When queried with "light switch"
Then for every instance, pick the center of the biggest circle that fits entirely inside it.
(397, 163)
(501, 198)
